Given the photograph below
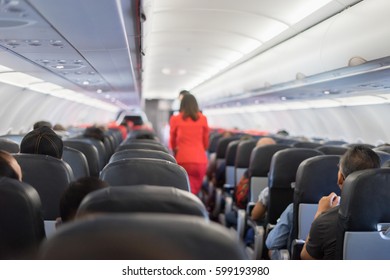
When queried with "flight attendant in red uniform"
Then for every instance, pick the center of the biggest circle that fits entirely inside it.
(189, 139)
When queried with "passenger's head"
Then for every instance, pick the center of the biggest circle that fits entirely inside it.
(357, 158)
(59, 127)
(74, 194)
(42, 140)
(9, 167)
(189, 107)
(265, 141)
(182, 93)
(41, 124)
(94, 132)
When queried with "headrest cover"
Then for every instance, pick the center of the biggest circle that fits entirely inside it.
(42, 140)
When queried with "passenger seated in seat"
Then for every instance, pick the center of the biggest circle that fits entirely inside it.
(242, 192)
(42, 123)
(74, 194)
(321, 241)
(42, 140)
(9, 167)
(357, 158)
(94, 132)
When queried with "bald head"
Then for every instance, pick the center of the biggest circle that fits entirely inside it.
(265, 141)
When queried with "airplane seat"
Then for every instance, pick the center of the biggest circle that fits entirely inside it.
(13, 137)
(230, 159)
(9, 145)
(147, 236)
(109, 146)
(310, 145)
(334, 143)
(213, 141)
(141, 153)
(351, 145)
(364, 216)
(145, 171)
(383, 156)
(243, 154)
(117, 135)
(241, 164)
(142, 198)
(332, 150)
(228, 187)
(100, 146)
(77, 161)
(90, 152)
(222, 145)
(220, 164)
(281, 179)
(142, 134)
(144, 145)
(383, 148)
(21, 222)
(50, 177)
(135, 140)
(259, 165)
(281, 183)
(316, 177)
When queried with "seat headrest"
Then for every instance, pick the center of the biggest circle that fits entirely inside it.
(141, 153)
(316, 177)
(143, 198)
(231, 151)
(365, 200)
(284, 166)
(260, 160)
(143, 236)
(127, 172)
(243, 155)
(332, 150)
(21, 220)
(222, 146)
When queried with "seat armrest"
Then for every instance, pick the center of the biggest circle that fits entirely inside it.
(296, 248)
(241, 222)
(258, 242)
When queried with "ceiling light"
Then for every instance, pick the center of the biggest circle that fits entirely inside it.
(326, 92)
(5, 69)
(85, 83)
(18, 79)
(60, 66)
(166, 71)
(99, 91)
(182, 72)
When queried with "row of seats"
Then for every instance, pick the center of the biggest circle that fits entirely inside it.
(152, 228)
(282, 167)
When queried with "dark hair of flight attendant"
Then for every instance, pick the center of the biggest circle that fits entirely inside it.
(189, 136)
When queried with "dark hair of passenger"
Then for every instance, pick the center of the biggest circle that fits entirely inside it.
(189, 107)
(42, 123)
(358, 158)
(94, 132)
(44, 141)
(75, 193)
(6, 169)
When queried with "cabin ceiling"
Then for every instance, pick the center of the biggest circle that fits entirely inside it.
(123, 52)
(87, 46)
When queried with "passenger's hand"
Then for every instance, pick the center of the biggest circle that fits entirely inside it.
(327, 202)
